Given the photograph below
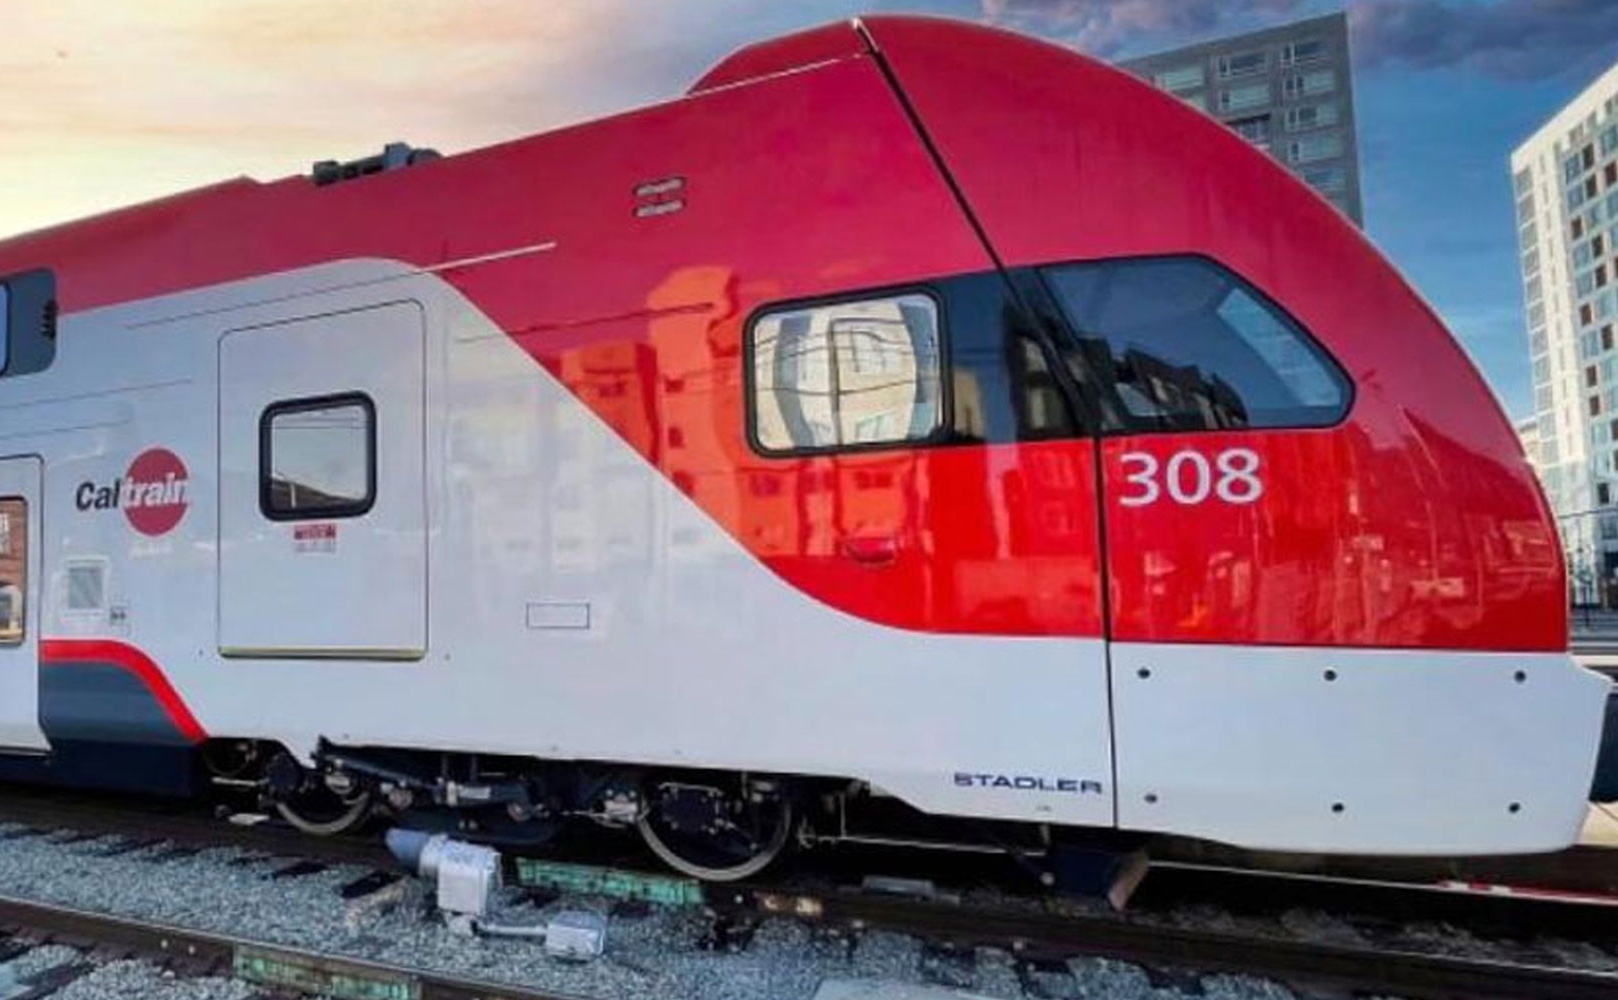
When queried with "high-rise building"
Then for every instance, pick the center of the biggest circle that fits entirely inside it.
(1565, 179)
(1288, 90)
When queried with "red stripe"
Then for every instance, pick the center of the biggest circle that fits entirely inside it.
(121, 654)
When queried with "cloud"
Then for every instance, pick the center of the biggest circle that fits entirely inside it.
(1508, 39)
(1107, 28)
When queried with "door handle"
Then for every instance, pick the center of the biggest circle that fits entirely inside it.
(872, 550)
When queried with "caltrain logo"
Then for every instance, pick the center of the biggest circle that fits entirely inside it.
(152, 494)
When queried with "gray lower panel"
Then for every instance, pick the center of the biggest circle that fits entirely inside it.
(103, 703)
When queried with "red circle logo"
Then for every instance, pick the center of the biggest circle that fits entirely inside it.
(154, 493)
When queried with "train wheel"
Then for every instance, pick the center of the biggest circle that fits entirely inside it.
(322, 805)
(325, 813)
(717, 833)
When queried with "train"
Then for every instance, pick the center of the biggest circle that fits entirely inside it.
(914, 433)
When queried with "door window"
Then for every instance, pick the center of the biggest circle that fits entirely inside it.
(317, 458)
(1181, 343)
(13, 570)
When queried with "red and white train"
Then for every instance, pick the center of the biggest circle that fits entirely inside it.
(912, 418)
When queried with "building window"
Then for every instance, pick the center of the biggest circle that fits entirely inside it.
(1254, 95)
(1307, 51)
(1180, 78)
(1595, 406)
(1590, 188)
(1315, 147)
(1603, 495)
(1242, 64)
(1586, 317)
(317, 458)
(1255, 130)
(1587, 156)
(1601, 276)
(13, 570)
(1606, 337)
(1322, 81)
(1523, 182)
(1590, 376)
(1571, 169)
(856, 373)
(1609, 139)
(1577, 228)
(1331, 180)
(1575, 197)
(1184, 344)
(1310, 116)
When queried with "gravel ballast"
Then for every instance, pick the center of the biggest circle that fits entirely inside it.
(657, 953)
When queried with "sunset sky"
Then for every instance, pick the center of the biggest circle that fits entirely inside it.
(108, 103)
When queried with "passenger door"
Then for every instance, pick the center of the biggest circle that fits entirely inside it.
(19, 605)
(323, 520)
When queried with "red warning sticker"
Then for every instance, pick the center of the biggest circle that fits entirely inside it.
(315, 536)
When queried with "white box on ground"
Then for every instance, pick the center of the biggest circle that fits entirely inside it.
(576, 934)
(467, 875)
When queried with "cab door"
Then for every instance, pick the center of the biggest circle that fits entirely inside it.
(19, 605)
(1233, 552)
(323, 520)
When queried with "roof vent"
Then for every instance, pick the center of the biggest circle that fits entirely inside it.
(394, 156)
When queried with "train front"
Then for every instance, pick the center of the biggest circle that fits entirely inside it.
(1336, 602)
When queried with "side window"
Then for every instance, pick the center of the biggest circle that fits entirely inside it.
(5, 328)
(27, 322)
(1181, 343)
(13, 570)
(862, 373)
(317, 458)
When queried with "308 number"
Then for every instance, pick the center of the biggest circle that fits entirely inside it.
(1188, 478)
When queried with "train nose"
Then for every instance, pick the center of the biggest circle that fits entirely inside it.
(1604, 787)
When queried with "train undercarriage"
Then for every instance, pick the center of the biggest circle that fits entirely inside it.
(712, 825)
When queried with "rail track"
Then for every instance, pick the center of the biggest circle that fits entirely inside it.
(1035, 935)
(275, 967)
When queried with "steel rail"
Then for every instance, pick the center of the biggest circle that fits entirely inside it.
(279, 967)
(184, 827)
(1306, 964)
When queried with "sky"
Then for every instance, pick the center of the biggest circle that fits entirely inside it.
(107, 104)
